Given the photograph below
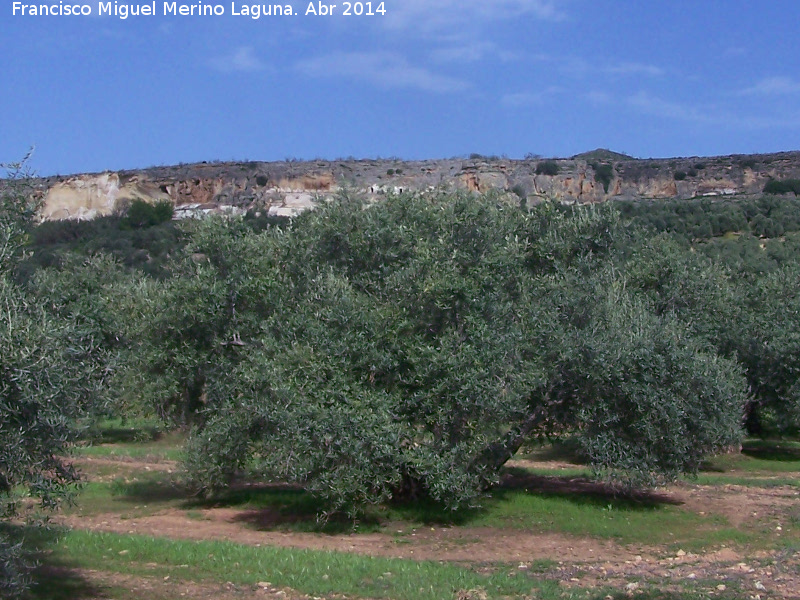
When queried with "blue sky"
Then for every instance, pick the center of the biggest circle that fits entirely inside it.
(428, 79)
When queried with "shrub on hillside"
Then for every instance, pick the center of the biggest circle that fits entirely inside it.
(785, 186)
(142, 214)
(547, 167)
(603, 173)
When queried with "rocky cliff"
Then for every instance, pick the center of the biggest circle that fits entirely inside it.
(289, 187)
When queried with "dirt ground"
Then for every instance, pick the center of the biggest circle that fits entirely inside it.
(99, 585)
(581, 562)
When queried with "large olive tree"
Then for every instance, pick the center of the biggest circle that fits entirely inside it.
(412, 346)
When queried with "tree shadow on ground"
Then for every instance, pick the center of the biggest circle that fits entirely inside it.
(160, 489)
(774, 451)
(49, 576)
(53, 581)
(771, 450)
(567, 450)
(590, 491)
(272, 507)
(123, 434)
(290, 507)
(579, 491)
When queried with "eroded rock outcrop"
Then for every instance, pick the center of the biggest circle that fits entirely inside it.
(89, 196)
(290, 187)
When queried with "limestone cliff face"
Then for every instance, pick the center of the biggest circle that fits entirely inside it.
(288, 188)
(86, 197)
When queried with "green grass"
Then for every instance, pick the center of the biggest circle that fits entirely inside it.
(307, 571)
(626, 521)
(137, 438)
(746, 481)
(648, 520)
(316, 573)
(572, 473)
(139, 494)
(134, 429)
(567, 450)
(559, 500)
(761, 464)
(165, 447)
(769, 460)
(550, 504)
(539, 500)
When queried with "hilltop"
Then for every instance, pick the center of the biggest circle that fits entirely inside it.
(602, 154)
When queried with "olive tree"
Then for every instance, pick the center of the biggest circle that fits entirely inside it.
(183, 331)
(412, 346)
(769, 347)
(46, 381)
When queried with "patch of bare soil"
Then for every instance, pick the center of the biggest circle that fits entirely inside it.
(126, 462)
(97, 585)
(554, 465)
(739, 504)
(758, 576)
(582, 562)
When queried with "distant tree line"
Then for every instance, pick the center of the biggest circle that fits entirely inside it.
(700, 219)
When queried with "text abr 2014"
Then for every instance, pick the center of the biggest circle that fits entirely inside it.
(197, 9)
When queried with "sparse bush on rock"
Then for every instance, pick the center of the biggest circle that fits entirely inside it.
(604, 174)
(141, 214)
(547, 167)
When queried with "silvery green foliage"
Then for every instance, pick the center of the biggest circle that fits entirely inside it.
(17, 210)
(769, 347)
(14, 569)
(661, 398)
(45, 383)
(38, 403)
(91, 298)
(412, 346)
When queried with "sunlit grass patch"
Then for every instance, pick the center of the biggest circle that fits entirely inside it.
(626, 521)
(307, 571)
(566, 450)
(326, 573)
(143, 439)
(746, 481)
(751, 463)
(761, 463)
